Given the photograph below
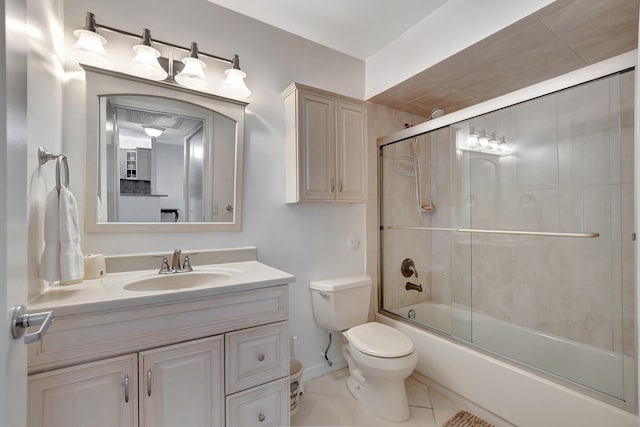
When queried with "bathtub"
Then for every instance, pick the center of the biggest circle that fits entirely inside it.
(514, 393)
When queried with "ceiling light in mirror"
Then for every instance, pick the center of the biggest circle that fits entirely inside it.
(153, 131)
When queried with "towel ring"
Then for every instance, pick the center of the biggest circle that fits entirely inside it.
(59, 160)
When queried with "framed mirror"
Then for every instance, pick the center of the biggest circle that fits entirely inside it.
(161, 157)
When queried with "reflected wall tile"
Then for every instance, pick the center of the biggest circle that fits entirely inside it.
(626, 155)
(585, 159)
(584, 109)
(626, 98)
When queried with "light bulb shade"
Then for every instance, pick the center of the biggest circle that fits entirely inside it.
(153, 131)
(192, 75)
(483, 140)
(145, 64)
(472, 140)
(89, 49)
(234, 85)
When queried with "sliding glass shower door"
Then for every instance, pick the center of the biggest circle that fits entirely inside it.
(520, 225)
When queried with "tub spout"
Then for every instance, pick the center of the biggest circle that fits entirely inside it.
(412, 286)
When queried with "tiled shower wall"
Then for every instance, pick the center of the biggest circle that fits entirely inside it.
(572, 171)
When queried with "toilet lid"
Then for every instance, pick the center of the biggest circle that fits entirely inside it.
(376, 339)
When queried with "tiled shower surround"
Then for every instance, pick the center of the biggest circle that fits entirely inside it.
(571, 170)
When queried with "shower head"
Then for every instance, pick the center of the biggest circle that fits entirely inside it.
(436, 112)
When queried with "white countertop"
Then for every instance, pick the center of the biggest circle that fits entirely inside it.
(108, 293)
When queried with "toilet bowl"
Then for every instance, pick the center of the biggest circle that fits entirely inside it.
(379, 357)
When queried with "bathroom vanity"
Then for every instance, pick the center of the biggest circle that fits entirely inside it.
(138, 348)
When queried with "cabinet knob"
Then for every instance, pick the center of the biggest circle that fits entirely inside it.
(261, 417)
(261, 357)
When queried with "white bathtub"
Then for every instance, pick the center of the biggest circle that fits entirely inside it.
(513, 393)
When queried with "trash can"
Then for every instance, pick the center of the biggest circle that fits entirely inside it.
(295, 378)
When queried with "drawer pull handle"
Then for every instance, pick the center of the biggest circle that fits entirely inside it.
(126, 388)
(148, 382)
(261, 357)
(261, 417)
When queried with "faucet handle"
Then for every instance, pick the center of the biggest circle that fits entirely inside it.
(164, 268)
(186, 266)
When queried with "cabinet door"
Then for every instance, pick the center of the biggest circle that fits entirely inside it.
(143, 164)
(181, 385)
(98, 394)
(351, 152)
(316, 147)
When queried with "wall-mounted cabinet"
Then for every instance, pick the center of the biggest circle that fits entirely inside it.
(135, 164)
(326, 136)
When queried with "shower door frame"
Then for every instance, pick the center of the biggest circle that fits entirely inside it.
(607, 67)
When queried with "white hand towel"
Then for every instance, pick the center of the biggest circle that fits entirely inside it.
(50, 260)
(71, 259)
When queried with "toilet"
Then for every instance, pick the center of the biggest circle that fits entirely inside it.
(379, 357)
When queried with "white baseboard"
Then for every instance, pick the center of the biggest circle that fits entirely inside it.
(461, 401)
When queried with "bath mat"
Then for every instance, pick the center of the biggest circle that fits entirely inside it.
(466, 419)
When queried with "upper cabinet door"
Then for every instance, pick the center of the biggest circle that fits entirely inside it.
(317, 147)
(326, 140)
(182, 385)
(351, 152)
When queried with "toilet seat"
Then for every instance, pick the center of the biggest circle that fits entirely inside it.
(378, 340)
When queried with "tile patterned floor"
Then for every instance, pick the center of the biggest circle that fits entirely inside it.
(327, 402)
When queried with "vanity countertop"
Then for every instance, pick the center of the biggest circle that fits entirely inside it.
(109, 292)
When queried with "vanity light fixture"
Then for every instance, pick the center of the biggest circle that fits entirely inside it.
(487, 143)
(483, 139)
(234, 84)
(153, 131)
(472, 139)
(145, 64)
(192, 75)
(89, 49)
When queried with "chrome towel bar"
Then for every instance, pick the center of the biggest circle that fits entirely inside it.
(61, 159)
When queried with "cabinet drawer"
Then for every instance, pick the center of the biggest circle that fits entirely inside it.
(84, 337)
(255, 356)
(263, 406)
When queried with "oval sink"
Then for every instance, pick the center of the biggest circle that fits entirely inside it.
(168, 282)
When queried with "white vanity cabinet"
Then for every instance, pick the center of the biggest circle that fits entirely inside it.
(326, 137)
(182, 385)
(165, 364)
(98, 394)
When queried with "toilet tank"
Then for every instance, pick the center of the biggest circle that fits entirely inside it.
(341, 303)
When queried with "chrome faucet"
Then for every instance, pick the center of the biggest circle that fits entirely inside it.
(412, 286)
(175, 262)
(176, 266)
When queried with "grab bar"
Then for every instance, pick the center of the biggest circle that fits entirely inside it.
(488, 231)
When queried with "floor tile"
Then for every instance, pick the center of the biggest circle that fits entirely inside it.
(417, 393)
(420, 417)
(444, 415)
(323, 410)
(333, 383)
(327, 402)
(440, 401)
